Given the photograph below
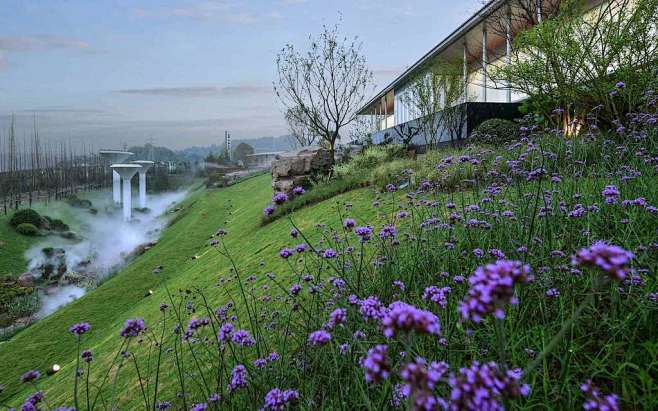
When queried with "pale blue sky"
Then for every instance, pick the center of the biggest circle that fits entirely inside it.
(181, 71)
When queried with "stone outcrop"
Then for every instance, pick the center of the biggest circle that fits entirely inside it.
(296, 168)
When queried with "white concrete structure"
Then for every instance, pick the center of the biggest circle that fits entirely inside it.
(126, 171)
(146, 166)
(115, 157)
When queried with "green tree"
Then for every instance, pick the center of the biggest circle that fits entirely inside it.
(582, 59)
(242, 151)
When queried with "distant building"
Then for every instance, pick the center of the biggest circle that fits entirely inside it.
(474, 46)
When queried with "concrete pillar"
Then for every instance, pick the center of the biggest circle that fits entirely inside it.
(484, 62)
(539, 15)
(116, 187)
(508, 48)
(142, 189)
(465, 74)
(127, 200)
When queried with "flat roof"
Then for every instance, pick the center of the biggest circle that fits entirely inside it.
(444, 44)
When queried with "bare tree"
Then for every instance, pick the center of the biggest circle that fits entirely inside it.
(407, 131)
(302, 134)
(323, 87)
(434, 98)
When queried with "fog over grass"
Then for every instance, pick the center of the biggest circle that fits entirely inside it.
(106, 242)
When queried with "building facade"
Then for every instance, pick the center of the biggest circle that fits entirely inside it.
(481, 43)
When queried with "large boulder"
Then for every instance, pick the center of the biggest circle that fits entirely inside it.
(26, 280)
(297, 167)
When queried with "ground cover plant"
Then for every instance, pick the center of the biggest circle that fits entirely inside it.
(516, 278)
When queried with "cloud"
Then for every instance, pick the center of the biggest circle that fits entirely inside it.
(228, 11)
(40, 43)
(198, 91)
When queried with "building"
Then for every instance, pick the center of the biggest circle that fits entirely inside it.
(483, 41)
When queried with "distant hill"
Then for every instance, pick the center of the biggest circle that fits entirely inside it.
(260, 145)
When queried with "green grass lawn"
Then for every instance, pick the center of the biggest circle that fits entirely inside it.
(237, 209)
(12, 248)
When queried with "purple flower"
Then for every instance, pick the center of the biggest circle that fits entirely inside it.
(193, 325)
(552, 293)
(79, 328)
(273, 356)
(338, 316)
(437, 295)
(372, 308)
(279, 198)
(329, 253)
(484, 387)
(295, 289)
(132, 327)
(286, 252)
(612, 259)
(298, 190)
(199, 407)
(365, 233)
(349, 223)
(260, 363)
(239, 378)
(421, 380)
(30, 376)
(225, 332)
(610, 193)
(277, 399)
(320, 337)
(376, 365)
(300, 248)
(294, 233)
(620, 84)
(405, 317)
(243, 338)
(269, 210)
(597, 401)
(215, 397)
(87, 356)
(399, 285)
(388, 231)
(391, 188)
(491, 288)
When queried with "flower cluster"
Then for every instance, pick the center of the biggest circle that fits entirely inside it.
(402, 317)
(491, 288)
(612, 259)
(132, 327)
(376, 364)
(278, 399)
(484, 387)
(597, 401)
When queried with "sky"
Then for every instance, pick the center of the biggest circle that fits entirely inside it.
(177, 73)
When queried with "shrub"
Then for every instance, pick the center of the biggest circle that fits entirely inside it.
(495, 131)
(27, 229)
(369, 159)
(26, 215)
(391, 172)
(56, 224)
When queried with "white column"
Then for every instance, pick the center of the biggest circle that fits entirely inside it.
(127, 200)
(484, 62)
(142, 189)
(539, 16)
(116, 187)
(465, 69)
(508, 48)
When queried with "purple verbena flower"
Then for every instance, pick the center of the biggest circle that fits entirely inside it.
(279, 198)
(376, 365)
(491, 288)
(132, 327)
(597, 401)
(239, 377)
(612, 259)
(277, 399)
(405, 317)
(79, 328)
(320, 337)
(437, 295)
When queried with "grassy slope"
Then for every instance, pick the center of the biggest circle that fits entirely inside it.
(12, 248)
(237, 208)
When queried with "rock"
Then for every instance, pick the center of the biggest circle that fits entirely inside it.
(26, 280)
(297, 167)
(158, 269)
